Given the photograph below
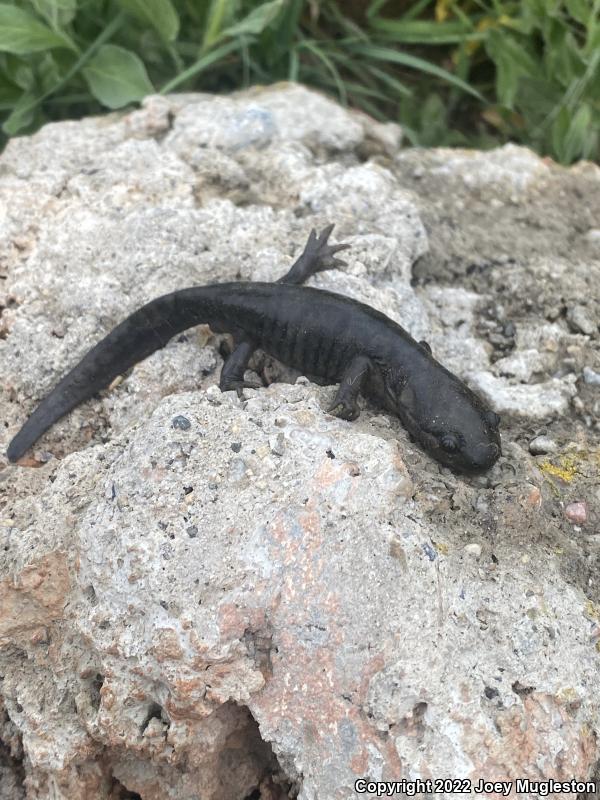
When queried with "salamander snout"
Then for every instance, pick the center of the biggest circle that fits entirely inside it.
(482, 456)
(475, 430)
(462, 452)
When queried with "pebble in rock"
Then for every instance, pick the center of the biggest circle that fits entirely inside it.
(591, 377)
(473, 549)
(541, 445)
(577, 512)
(593, 235)
(580, 321)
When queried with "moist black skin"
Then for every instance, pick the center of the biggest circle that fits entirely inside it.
(324, 335)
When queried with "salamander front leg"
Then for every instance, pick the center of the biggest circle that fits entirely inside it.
(345, 403)
(317, 256)
(232, 374)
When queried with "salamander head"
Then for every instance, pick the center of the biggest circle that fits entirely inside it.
(465, 442)
(452, 423)
(474, 447)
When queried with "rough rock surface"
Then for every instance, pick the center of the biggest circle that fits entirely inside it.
(203, 597)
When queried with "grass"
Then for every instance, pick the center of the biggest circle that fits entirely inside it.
(451, 72)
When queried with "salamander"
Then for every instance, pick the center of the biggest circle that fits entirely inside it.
(326, 336)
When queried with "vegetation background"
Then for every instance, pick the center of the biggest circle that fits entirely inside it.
(451, 72)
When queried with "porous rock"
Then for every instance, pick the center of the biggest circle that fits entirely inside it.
(260, 599)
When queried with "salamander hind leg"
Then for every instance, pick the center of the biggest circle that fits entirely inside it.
(345, 403)
(317, 256)
(232, 374)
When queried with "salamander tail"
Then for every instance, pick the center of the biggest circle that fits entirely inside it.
(146, 330)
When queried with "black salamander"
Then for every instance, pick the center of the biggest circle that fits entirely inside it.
(324, 335)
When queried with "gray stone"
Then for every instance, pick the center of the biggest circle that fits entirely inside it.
(523, 364)
(591, 377)
(541, 445)
(580, 321)
(473, 549)
(505, 173)
(206, 595)
(529, 401)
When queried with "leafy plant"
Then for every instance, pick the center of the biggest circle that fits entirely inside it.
(472, 72)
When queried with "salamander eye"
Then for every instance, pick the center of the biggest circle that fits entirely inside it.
(449, 442)
(492, 419)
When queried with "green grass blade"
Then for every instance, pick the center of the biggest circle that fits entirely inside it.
(314, 48)
(423, 31)
(401, 89)
(374, 7)
(414, 62)
(200, 65)
(294, 65)
(219, 13)
(416, 9)
(256, 21)
(21, 115)
(160, 14)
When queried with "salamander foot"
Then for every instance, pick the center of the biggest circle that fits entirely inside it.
(317, 256)
(344, 410)
(239, 386)
(321, 254)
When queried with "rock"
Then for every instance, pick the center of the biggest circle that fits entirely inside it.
(11, 756)
(523, 364)
(591, 377)
(207, 595)
(580, 321)
(541, 445)
(451, 317)
(506, 173)
(577, 512)
(529, 401)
